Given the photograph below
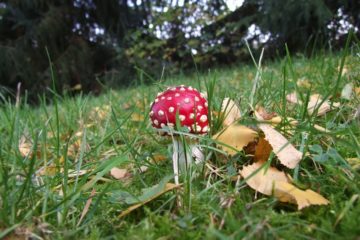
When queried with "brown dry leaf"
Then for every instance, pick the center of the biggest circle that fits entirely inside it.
(262, 151)
(120, 173)
(236, 136)
(159, 158)
(87, 206)
(231, 111)
(287, 153)
(262, 114)
(273, 182)
(168, 187)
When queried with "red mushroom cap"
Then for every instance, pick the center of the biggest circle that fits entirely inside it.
(190, 104)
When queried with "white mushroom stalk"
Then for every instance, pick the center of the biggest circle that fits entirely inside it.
(183, 107)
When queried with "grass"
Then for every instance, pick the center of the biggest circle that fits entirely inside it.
(40, 198)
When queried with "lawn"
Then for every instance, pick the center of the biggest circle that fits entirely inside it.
(71, 166)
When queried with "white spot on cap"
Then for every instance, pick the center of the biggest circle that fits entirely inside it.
(205, 129)
(190, 88)
(173, 89)
(202, 95)
(182, 117)
(161, 113)
(191, 115)
(187, 100)
(162, 125)
(156, 100)
(171, 109)
(182, 89)
(162, 98)
(156, 122)
(196, 128)
(189, 129)
(197, 99)
(159, 94)
(206, 104)
(177, 94)
(171, 125)
(200, 107)
(169, 98)
(151, 113)
(203, 118)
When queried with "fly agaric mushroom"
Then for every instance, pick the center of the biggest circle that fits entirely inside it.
(184, 106)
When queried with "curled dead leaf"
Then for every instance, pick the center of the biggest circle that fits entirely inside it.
(236, 137)
(288, 155)
(120, 173)
(270, 181)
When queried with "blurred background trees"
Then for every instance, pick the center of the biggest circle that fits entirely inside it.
(93, 42)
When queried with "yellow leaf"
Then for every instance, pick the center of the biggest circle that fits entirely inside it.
(303, 83)
(263, 181)
(168, 187)
(231, 111)
(287, 153)
(235, 136)
(273, 182)
(354, 163)
(287, 192)
(136, 117)
(120, 173)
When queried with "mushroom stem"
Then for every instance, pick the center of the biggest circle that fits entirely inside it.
(182, 157)
(175, 159)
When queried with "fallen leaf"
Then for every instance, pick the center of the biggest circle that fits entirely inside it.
(357, 91)
(287, 192)
(159, 158)
(120, 173)
(315, 103)
(292, 98)
(87, 206)
(231, 111)
(263, 181)
(25, 146)
(236, 137)
(262, 114)
(347, 91)
(262, 151)
(287, 153)
(136, 117)
(303, 83)
(168, 187)
(270, 181)
(354, 163)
